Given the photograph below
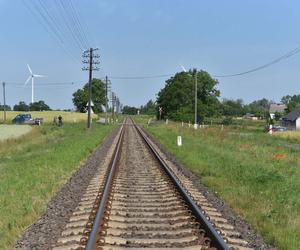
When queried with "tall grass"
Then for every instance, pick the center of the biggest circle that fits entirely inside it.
(292, 135)
(34, 167)
(256, 174)
(8, 132)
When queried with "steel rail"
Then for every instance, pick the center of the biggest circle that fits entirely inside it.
(107, 187)
(217, 240)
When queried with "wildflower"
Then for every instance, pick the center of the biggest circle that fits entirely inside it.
(278, 156)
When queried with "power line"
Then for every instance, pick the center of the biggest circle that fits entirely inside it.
(56, 24)
(70, 26)
(53, 26)
(80, 28)
(18, 84)
(49, 28)
(277, 60)
(140, 77)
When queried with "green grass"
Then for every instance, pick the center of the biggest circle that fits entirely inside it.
(13, 131)
(34, 167)
(258, 175)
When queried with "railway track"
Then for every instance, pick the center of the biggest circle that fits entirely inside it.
(140, 200)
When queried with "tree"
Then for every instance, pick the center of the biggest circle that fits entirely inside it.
(149, 108)
(291, 101)
(177, 98)
(80, 97)
(128, 110)
(22, 106)
(259, 108)
(233, 107)
(7, 107)
(39, 106)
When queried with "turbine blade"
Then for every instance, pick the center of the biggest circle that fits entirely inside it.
(183, 68)
(39, 76)
(28, 79)
(29, 69)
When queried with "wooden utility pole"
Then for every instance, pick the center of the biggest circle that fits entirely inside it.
(113, 105)
(90, 55)
(106, 99)
(90, 88)
(4, 102)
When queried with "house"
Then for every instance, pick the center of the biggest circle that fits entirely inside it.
(276, 108)
(292, 119)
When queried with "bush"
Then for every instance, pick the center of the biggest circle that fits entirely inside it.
(227, 121)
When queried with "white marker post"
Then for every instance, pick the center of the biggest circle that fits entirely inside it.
(270, 129)
(179, 141)
(167, 121)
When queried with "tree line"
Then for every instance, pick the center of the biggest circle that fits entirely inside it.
(177, 100)
(22, 106)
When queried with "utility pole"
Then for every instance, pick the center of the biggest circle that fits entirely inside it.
(113, 100)
(4, 106)
(90, 55)
(106, 99)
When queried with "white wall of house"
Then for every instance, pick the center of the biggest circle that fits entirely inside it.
(298, 123)
(272, 115)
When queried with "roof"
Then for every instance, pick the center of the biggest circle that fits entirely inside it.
(294, 115)
(277, 107)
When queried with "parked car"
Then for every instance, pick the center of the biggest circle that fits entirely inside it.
(27, 119)
(276, 128)
(279, 128)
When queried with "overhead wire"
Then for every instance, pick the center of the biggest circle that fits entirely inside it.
(70, 20)
(139, 77)
(277, 60)
(55, 23)
(83, 25)
(77, 24)
(69, 24)
(49, 29)
(45, 84)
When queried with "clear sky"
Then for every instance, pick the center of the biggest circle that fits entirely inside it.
(151, 37)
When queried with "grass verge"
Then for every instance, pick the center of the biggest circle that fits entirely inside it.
(34, 167)
(258, 175)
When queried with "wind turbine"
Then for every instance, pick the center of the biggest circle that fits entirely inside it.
(183, 68)
(32, 76)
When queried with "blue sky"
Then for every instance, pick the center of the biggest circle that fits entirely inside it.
(153, 37)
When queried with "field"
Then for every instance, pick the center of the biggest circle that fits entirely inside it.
(48, 116)
(292, 135)
(34, 166)
(13, 131)
(258, 175)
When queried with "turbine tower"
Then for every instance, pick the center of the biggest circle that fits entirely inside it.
(32, 76)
